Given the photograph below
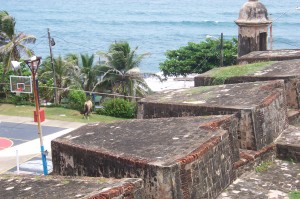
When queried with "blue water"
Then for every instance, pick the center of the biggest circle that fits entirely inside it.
(155, 26)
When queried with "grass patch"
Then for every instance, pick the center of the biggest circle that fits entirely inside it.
(54, 113)
(221, 74)
(263, 166)
(294, 195)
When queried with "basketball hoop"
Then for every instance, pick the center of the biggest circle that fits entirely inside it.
(18, 91)
(20, 84)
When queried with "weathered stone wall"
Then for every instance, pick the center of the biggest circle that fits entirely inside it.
(250, 159)
(52, 186)
(203, 173)
(292, 86)
(269, 55)
(248, 39)
(258, 126)
(270, 119)
(288, 145)
(208, 174)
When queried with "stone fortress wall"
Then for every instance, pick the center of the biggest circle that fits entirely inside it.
(188, 143)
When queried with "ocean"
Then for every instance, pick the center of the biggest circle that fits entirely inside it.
(155, 26)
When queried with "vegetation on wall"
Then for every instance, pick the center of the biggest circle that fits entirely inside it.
(223, 73)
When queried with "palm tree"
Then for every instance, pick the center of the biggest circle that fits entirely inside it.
(13, 44)
(122, 70)
(66, 74)
(89, 72)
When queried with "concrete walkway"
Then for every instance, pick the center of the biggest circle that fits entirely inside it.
(28, 120)
(28, 150)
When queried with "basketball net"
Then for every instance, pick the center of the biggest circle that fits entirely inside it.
(18, 92)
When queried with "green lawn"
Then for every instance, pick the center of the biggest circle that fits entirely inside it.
(54, 113)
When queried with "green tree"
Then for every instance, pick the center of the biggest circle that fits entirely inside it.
(198, 57)
(89, 72)
(13, 44)
(66, 74)
(122, 72)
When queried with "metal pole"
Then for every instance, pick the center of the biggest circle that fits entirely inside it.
(222, 51)
(271, 37)
(53, 68)
(40, 134)
(37, 88)
(18, 162)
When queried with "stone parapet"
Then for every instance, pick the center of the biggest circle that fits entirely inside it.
(288, 144)
(25, 186)
(284, 70)
(189, 157)
(260, 108)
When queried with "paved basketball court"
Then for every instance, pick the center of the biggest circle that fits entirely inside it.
(19, 142)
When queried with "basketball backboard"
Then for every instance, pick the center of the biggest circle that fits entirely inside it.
(22, 84)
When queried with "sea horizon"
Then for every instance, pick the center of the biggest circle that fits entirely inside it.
(155, 26)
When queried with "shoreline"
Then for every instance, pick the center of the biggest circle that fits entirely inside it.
(171, 83)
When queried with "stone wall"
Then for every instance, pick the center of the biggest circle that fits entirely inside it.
(201, 173)
(52, 186)
(258, 126)
(292, 85)
(288, 144)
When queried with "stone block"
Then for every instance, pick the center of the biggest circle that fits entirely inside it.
(189, 157)
(26, 186)
(288, 71)
(288, 145)
(260, 108)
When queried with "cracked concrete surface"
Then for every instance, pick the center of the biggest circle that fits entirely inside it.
(276, 182)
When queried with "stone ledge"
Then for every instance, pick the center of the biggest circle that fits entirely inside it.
(277, 181)
(260, 108)
(270, 55)
(26, 186)
(288, 144)
(250, 159)
(175, 157)
(288, 71)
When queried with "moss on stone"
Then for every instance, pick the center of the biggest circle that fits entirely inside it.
(263, 166)
(221, 74)
(294, 195)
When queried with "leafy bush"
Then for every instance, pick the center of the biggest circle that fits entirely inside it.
(118, 108)
(198, 57)
(76, 99)
(22, 99)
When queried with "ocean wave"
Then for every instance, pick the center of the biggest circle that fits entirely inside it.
(185, 23)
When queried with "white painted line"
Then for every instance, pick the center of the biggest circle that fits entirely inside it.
(33, 146)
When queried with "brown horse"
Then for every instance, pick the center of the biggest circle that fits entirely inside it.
(88, 105)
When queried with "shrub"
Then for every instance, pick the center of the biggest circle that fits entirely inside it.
(22, 99)
(198, 57)
(76, 99)
(118, 108)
